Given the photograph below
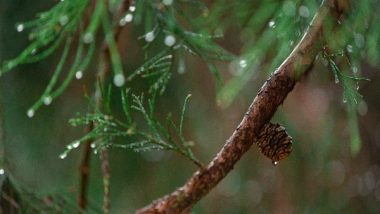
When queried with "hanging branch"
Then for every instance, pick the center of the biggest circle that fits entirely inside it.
(270, 96)
(105, 62)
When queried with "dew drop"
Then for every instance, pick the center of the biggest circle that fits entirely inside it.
(88, 38)
(344, 100)
(272, 24)
(2, 171)
(20, 27)
(336, 78)
(33, 51)
(167, 2)
(69, 147)
(48, 100)
(349, 48)
(93, 145)
(76, 144)
(119, 80)
(169, 40)
(355, 69)
(127, 18)
(359, 40)
(304, 11)
(132, 8)
(243, 63)
(63, 20)
(79, 75)
(149, 37)
(30, 113)
(63, 156)
(275, 163)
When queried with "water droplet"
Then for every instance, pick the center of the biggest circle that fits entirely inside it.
(79, 75)
(167, 2)
(272, 24)
(63, 156)
(2, 171)
(349, 48)
(275, 163)
(243, 63)
(76, 144)
(169, 40)
(119, 80)
(93, 145)
(336, 78)
(304, 11)
(30, 113)
(69, 147)
(149, 37)
(132, 8)
(33, 51)
(88, 38)
(63, 20)
(127, 18)
(344, 100)
(359, 40)
(355, 69)
(20, 27)
(47, 100)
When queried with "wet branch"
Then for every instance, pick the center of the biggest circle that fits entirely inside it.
(270, 96)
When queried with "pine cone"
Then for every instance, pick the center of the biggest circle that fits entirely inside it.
(274, 142)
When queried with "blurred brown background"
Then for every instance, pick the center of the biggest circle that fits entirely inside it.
(320, 176)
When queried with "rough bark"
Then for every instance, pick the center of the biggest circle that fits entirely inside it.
(270, 96)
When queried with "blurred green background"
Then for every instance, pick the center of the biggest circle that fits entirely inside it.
(320, 176)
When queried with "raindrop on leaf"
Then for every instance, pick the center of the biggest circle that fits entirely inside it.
(63, 156)
(149, 37)
(20, 27)
(76, 144)
(119, 80)
(88, 38)
(63, 20)
(169, 40)
(30, 113)
(48, 100)
(79, 75)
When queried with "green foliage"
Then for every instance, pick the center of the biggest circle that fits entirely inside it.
(351, 95)
(156, 136)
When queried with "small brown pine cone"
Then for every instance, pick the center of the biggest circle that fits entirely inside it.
(274, 142)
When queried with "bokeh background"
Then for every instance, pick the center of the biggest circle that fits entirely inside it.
(320, 176)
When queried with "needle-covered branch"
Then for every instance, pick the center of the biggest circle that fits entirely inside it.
(271, 95)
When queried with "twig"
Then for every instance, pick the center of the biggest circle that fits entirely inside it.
(270, 96)
(101, 76)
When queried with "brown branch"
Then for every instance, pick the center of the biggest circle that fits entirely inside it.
(270, 96)
(105, 64)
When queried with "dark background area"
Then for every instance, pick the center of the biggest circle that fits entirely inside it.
(320, 176)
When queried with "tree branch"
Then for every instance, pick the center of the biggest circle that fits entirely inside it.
(270, 96)
(105, 64)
